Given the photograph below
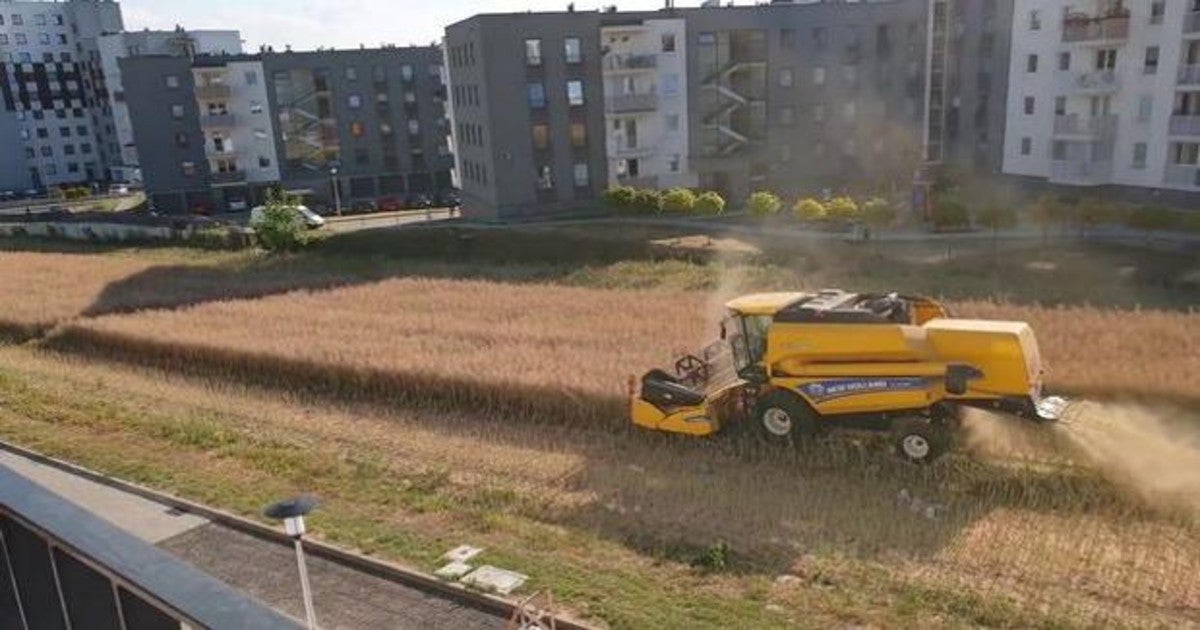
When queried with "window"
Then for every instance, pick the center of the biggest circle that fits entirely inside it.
(573, 50)
(575, 91)
(787, 38)
(1186, 153)
(785, 77)
(20, 39)
(406, 73)
(1031, 63)
(1058, 150)
(541, 137)
(533, 52)
(188, 168)
(1106, 58)
(537, 95)
(85, 148)
(30, 153)
(668, 42)
(72, 167)
(578, 135)
(787, 115)
(51, 169)
(47, 151)
(3, 39)
(351, 73)
(1026, 146)
(820, 38)
(171, 81)
(819, 75)
(1060, 106)
(251, 77)
(1145, 105)
(81, 130)
(264, 161)
(40, 19)
(58, 20)
(1157, 9)
(385, 129)
(545, 180)
(1064, 61)
(357, 129)
(17, 20)
(43, 133)
(581, 175)
(414, 127)
(354, 101)
(64, 57)
(256, 107)
(177, 112)
(673, 163)
(670, 84)
(1035, 20)
(1139, 155)
(1028, 105)
(672, 122)
(181, 139)
(69, 149)
(64, 132)
(1151, 65)
(44, 39)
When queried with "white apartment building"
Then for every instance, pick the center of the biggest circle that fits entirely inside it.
(115, 46)
(1105, 92)
(646, 103)
(55, 125)
(235, 118)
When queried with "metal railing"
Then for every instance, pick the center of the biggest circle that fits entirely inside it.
(1090, 126)
(629, 103)
(217, 120)
(213, 91)
(1182, 175)
(1081, 172)
(1191, 22)
(1103, 80)
(228, 177)
(62, 566)
(1185, 125)
(631, 62)
(1085, 29)
(1189, 75)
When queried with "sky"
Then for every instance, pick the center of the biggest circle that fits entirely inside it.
(308, 24)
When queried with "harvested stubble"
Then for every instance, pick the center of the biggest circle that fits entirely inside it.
(526, 350)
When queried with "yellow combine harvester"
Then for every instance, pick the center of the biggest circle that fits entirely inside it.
(791, 364)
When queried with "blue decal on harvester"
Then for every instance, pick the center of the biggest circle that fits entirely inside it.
(828, 390)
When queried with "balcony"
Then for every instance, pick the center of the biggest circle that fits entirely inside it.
(227, 178)
(1183, 175)
(625, 63)
(1191, 23)
(213, 92)
(622, 150)
(643, 181)
(1096, 81)
(1079, 27)
(1081, 172)
(216, 120)
(1086, 127)
(1182, 125)
(631, 103)
(1189, 75)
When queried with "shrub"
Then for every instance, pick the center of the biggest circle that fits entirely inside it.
(619, 198)
(949, 214)
(678, 201)
(1150, 218)
(647, 201)
(809, 209)
(280, 228)
(763, 204)
(997, 217)
(878, 212)
(842, 208)
(76, 192)
(710, 203)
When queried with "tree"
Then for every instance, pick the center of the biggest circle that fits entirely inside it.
(878, 213)
(678, 201)
(280, 228)
(1046, 212)
(710, 203)
(763, 204)
(842, 208)
(809, 209)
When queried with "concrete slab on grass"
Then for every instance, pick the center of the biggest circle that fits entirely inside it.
(494, 579)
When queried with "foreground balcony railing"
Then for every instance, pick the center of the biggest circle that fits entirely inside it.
(1082, 28)
(215, 91)
(1191, 22)
(217, 120)
(1183, 175)
(631, 62)
(630, 103)
(63, 567)
(1189, 75)
(1096, 81)
(1081, 172)
(1185, 125)
(1087, 126)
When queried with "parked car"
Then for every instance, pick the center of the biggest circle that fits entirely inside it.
(361, 207)
(311, 219)
(7, 195)
(389, 204)
(418, 200)
(118, 189)
(449, 199)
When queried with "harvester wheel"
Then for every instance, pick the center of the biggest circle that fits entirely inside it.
(782, 418)
(919, 440)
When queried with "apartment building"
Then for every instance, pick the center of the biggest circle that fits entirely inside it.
(123, 159)
(56, 124)
(216, 132)
(1106, 94)
(550, 108)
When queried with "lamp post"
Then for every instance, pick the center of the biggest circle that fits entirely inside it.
(291, 512)
(337, 197)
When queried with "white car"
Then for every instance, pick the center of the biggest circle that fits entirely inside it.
(311, 219)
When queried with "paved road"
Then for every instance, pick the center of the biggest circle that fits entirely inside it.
(265, 570)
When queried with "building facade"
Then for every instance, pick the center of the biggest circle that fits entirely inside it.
(1106, 94)
(56, 121)
(789, 97)
(216, 132)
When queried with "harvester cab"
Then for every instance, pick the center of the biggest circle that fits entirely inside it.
(787, 365)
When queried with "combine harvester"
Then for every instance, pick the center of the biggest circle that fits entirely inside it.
(789, 365)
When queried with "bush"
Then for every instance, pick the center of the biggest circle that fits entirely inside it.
(763, 204)
(878, 212)
(280, 228)
(1151, 218)
(710, 204)
(809, 209)
(842, 208)
(619, 198)
(647, 201)
(77, 192)
(678, 201)
(949, 214)
(996, 218)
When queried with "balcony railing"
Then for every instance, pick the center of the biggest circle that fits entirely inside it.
(1189, 75)
(1081, 172)
(1183, 125)
(213, 91)
(630, 103)
(1083, 28)
(631, 62)
(217, 120)
(642, 181)
(1089, 126)
(1191, 22)
(229, 177)
(1098, 80)
(1183, 175)
(66, 567)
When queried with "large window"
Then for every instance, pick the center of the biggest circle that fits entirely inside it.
(1139, 155)
(541, 137)
(573, 50)
(537, 95)
(575, 92)
(578, 135)
(1186, 153)
(533, 52)
(581, 175)
(545, 180)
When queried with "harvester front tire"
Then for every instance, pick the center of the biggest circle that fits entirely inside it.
(919, 440)
(782, 418)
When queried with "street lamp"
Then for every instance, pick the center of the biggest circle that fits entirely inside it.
(337, 197)
(291, 512)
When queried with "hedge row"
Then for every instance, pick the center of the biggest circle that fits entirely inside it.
(678, 201)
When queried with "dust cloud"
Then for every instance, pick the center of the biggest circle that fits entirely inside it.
(1152, 454)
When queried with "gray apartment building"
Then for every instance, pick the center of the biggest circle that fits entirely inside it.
(549, 109)
(215, 132)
